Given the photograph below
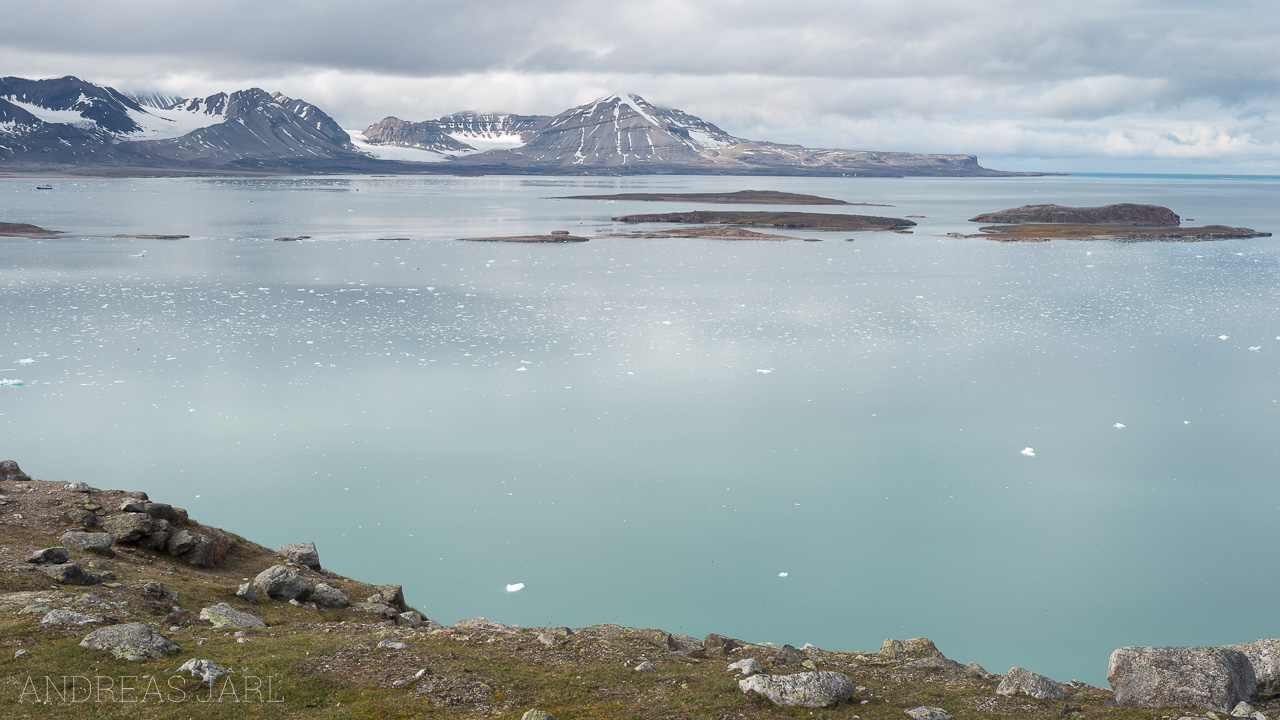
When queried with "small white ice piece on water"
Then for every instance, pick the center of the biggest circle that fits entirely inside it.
(1118, 426)
(764, 371)
(27, 361)
(12, 383)
(1186, 422)
(1029, 452)
(515, 588)
(782, 574)
(1222, 337)
(1256, 348)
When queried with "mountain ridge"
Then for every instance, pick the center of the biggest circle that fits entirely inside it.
(69, 126)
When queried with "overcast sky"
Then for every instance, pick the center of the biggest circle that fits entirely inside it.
(1121, 85)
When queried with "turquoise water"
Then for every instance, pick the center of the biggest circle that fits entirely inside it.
(649, 432)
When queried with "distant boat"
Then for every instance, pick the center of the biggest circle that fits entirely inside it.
(44, 187)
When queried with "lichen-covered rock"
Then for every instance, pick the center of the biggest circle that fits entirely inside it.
(537, 715)
(79, 487)
(223, 614)
(127, 527)
(282, 583)
(9, 470)
(209, 551)
(925, 712)
(303, 553)
(807, 689)
(329, 596)
(207, 670)
(70, 617)
(133, 505)
(91, 542)
(1021, 681)
(749, 666)
(377, 608)
(49, 556)
(1264, 656)
(69, 574)
(645, 666)
(131, 641)
(409, 618)
(179, 543)
(392, 595)
(912, 649)
(1207, 677)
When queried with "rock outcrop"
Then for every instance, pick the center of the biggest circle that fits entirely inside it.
(223, 614)
(807, 689)
(9, 469)
(131, 641)
(1208, 677)
(281, 582)
(303, 553)
(1020, 681)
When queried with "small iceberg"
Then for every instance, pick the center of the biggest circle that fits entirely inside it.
(782, 574)
(1029, 452)
(517, 587)
(11, 383)
(27, 361)
(1118, 426)
(764, 371)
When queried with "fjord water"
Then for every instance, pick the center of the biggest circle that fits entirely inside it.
(650, 432)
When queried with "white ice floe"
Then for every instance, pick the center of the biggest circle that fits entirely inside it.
(1029, 452)
(1186, 422)
(517, 587)
(764, 371)
(1222, 337)
(782, 574)
(11, 382)
(1118, 426)
(27, 361)
(1256, 348)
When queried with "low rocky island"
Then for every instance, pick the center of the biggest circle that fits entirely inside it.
(8, 229)
(713, 233)
(107, 593)
(1122, 222)
(555, 236)
(741, 197)
(1117, 214)
(781, 220)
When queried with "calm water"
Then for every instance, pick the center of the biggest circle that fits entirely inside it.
(650, 432)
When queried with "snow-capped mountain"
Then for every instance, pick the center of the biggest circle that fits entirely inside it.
(70, 125)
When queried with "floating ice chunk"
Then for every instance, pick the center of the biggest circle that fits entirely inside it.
(1029, 452)
(782, 574)
(521, 369)
(13, 383)
(1256, 348)
(764, 371)
(1118, 426)
(517, 587)
(1186, 422)
(27, 361)
(1222, 337)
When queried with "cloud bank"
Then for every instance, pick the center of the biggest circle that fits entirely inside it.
(1127, 85)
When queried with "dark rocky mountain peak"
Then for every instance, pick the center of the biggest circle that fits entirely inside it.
(100, 108)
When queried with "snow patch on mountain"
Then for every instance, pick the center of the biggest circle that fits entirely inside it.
(62, 117)
(153, 123)
(395, 152)
(484, 142)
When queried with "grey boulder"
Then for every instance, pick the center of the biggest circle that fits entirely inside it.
(127, 527)
(1021, 681)
(207, 670)
(302, 553)
(282, 583)
(69, 574)
(925, 712)
(1264, 656)
(49, 556)
(247, 592)
(912, 649)
(131, 641)
(91, 542)
(1206, 677)
(179, 543)
(79, 487)
(208, 551)
(749, 666)
(70, 617)
(9, 470)
(807, 689)
(329, 596)
(223, 614)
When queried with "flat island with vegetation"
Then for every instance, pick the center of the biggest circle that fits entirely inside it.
(740, 197)
(1122, 222)
(782, 220)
